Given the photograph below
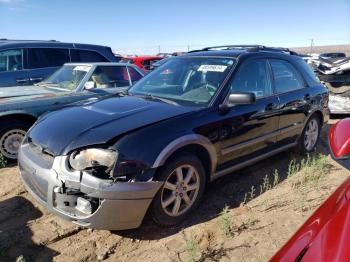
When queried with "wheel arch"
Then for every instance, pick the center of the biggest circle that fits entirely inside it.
(197, 144)
(316, 112)
(19, 116)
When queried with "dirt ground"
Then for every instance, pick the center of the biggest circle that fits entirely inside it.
(257, 229)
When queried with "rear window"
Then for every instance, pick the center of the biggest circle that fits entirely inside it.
(47, 57)
(86, 56)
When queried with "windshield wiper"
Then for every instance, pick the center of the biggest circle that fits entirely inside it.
(157, 98)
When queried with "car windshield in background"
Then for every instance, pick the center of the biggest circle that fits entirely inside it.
(67, 77)
(186, 80)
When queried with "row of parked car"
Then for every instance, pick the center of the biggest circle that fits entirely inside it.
(101, 144)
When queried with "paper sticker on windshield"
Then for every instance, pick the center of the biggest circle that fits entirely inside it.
(212, 68)
(82, 68)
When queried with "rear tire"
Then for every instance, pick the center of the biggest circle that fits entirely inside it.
(184, 184)
(12, 133)
(309, 137)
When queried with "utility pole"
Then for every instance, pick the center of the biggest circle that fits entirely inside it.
(158, 49)
(188, 48)
(312, 45)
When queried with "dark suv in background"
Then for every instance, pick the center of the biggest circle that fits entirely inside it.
(25, 62)
(197, 117)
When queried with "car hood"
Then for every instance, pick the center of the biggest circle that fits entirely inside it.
(99, 122)
(17, 93)
(325, 235)
(332, 242)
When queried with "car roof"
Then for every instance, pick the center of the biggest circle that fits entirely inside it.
(143, 57)
(13, 43)
(100, 64)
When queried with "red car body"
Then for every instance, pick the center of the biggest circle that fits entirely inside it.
(143, 62)
(325, 236)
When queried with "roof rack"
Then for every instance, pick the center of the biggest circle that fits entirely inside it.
(228, 47)
(249, 48)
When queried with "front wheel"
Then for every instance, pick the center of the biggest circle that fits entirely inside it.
(11, 135)
(184, 183)
(309, 137)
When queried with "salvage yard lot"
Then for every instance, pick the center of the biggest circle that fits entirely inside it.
(261, 213)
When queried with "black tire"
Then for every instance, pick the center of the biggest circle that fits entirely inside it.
(7, 126)
(158, 213)
(301, 147)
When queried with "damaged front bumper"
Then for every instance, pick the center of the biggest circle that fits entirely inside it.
(82, 198)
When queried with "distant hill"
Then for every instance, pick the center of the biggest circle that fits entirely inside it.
(323, 49)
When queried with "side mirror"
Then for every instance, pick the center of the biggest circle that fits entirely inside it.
(89, 85)
(241, 98)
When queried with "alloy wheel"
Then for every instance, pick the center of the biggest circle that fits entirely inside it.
(311, 134)
(180, 190)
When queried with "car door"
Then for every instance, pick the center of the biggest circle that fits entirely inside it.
(250, 130)
(294, 98)
(12, 72)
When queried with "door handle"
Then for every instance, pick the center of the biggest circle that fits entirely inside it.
(36, 78)
(22, 80)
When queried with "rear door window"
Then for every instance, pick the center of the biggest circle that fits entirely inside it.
(286, 77)
(86, 56)
(110, 76)
(47, 57)
(11, 60)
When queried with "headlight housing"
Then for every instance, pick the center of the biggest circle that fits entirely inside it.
(93, 157)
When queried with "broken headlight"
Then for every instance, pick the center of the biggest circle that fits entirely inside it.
(93, 157)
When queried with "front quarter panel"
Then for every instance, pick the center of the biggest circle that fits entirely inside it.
(152, 145)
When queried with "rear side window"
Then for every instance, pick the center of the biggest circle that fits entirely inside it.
(134, 75)
(310, 74)
(110, 76)
(11, 60)
(286, 77)
(86, 56)
(47, 57)
(253, 76)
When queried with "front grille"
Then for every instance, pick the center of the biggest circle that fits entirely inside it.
(47, 158)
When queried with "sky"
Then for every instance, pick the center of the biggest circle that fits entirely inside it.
(149, 26)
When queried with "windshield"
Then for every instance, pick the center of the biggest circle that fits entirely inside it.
(186, 80)
(67, 77)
